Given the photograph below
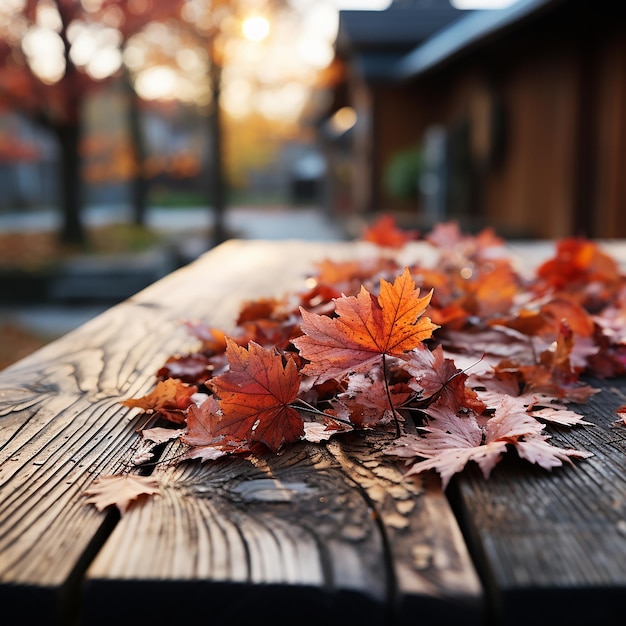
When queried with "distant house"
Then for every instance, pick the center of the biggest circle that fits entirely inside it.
(369, 46)
(518, 116)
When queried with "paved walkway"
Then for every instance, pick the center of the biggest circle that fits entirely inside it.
(189, 226)
(308, 223)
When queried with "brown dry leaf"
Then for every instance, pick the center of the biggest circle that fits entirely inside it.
(121, 491)
(451, 441)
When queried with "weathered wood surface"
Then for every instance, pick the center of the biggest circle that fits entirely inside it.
(332, 531)
(552, 545)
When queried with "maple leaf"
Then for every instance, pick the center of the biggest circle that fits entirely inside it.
(332, 273)
(537, 450)
(255, 396)
(491, 388)
(213, 339)
(263, 308)
(554, 373)
(316, 432)
(365, 328)
(120, 491)
(493, 291)
(169, 398)
(449, 444)
(194, 368)
(200, 434)
(151, 438)
(365, 402)
(451, 441)
(385, 232)
(579, 262)
(621, 413)
(438, 378)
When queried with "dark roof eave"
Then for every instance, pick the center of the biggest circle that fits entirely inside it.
(466, 34)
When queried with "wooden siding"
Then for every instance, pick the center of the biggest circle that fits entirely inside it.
(555, 164)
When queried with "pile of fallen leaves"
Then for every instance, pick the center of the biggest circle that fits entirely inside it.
(463, 359)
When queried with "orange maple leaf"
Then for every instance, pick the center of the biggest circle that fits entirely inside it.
(365, 328)
(255, 396)
(169, 398)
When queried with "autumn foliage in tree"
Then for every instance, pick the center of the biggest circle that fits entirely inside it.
(45, 77)
(457, 357)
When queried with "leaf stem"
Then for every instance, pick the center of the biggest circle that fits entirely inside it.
(396, 417)
(305, 406)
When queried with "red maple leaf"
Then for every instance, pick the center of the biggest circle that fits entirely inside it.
(385, 232)
(255, 396)
(578, 262)
(439, 379)
(366, 327)
(201, 435)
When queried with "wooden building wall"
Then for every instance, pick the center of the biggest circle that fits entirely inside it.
(543, 115)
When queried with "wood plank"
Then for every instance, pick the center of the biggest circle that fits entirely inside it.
(551, 546)
(331, 526)
(61, 426)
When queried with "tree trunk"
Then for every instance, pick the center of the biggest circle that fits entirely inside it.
(217, 190)
(138, 182)
(72, 229)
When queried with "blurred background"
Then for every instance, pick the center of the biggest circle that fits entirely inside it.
(137, 134)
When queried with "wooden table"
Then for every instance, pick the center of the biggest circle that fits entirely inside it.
(320, 534)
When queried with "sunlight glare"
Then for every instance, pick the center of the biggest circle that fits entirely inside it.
(315, 51)
(157, 83)
(236, 97)
(343, 120)
(96, 49)
(12, 6)
(191, 59)
(284, 103)
(91, 6)
(255, 28)
(83, 42)
(44, 50)
(104, 63)
(368, 5)
(134, 56)
(322, 20)
(48, 17)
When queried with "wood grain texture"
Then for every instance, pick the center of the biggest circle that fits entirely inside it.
(335, 523)
(539, 536)
(334, 526)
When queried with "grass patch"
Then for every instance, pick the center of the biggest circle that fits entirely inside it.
(36, 251)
